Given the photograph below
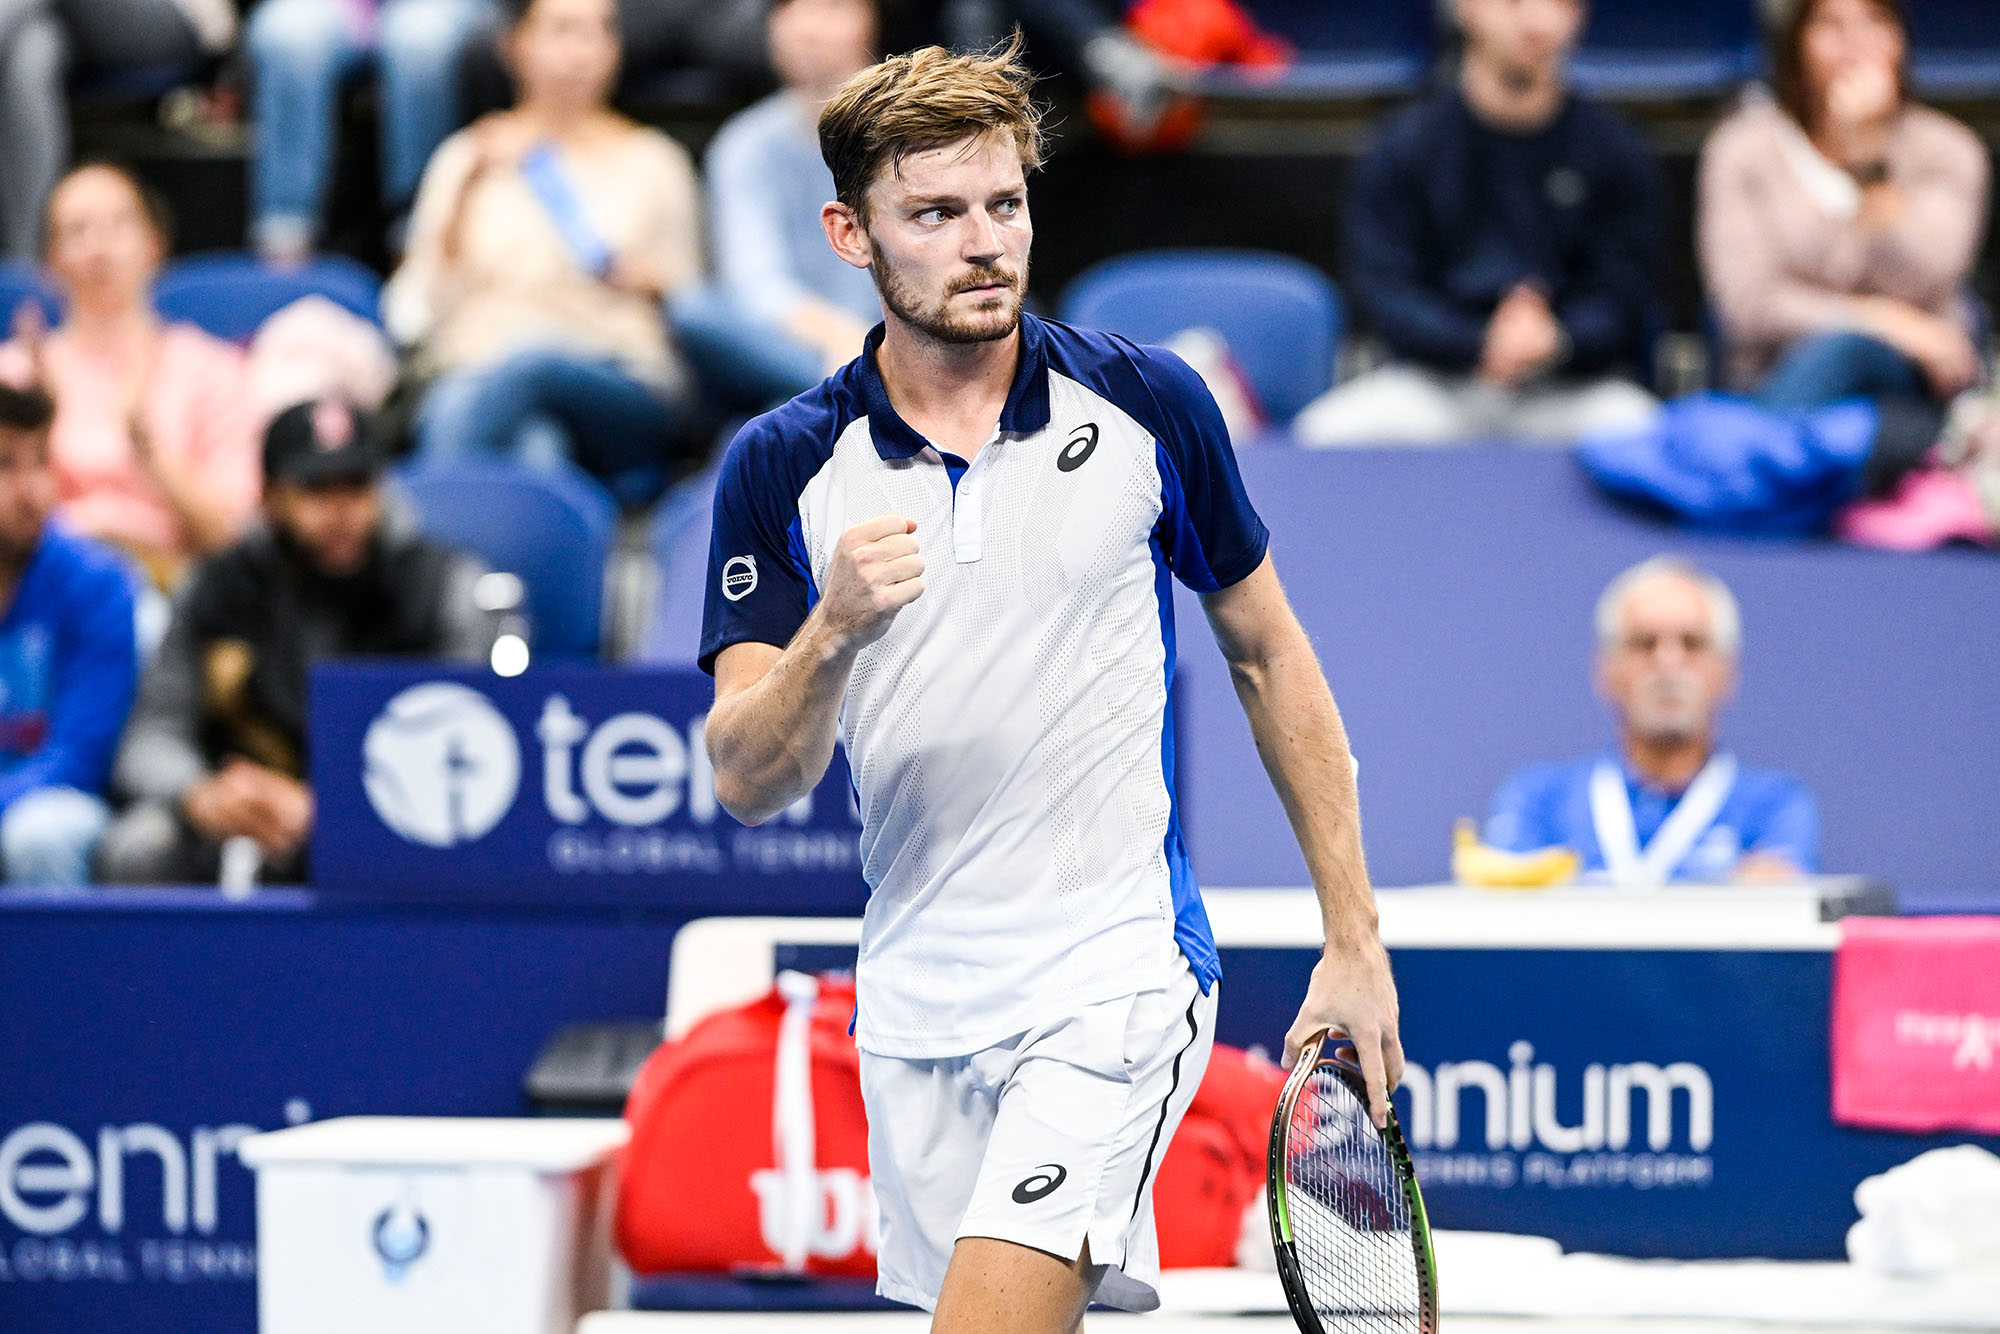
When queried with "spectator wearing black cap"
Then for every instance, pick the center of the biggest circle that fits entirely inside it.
(67, 662)
(216, 747)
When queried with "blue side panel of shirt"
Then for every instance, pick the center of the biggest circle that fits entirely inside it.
(1208, 535)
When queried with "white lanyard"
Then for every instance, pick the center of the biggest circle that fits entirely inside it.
(1618, 838)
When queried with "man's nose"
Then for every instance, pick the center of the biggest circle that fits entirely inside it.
(982, 244)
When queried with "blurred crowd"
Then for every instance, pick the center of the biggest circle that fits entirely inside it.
(188, 523)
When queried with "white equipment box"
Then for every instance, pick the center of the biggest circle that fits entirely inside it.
(433, 1225)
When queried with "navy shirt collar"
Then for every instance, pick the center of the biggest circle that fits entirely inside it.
(1025, 412)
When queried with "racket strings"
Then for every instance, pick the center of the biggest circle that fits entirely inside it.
(1349, 1217)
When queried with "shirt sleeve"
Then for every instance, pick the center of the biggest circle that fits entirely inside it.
(1604, 304)
(1516, 822)
(1388, 271)
(1210, 534)
(673, 237)
(412, 297)
(752, 261)
(96, 671)
(1740, 243)
(1791, 830)
(759, 587)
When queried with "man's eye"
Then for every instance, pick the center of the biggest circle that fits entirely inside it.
(1007, 208)
(932, 217)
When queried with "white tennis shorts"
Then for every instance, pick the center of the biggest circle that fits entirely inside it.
(1048, 1139)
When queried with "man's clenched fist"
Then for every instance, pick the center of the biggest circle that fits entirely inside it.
(875, 573)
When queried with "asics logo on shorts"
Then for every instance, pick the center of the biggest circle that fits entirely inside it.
(1046, 1178)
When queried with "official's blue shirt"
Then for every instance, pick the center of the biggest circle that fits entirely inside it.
(68, 667)
(1546, 805)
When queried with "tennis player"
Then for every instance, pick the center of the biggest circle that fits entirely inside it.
(955, 555)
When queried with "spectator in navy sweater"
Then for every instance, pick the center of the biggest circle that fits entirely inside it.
(1500, 239)
(68, 662)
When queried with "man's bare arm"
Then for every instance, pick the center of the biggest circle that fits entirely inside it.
(770, 734)
(1304, 749)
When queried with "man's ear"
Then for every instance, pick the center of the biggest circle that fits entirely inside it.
(846, 235)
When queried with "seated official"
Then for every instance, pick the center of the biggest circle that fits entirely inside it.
(1501, 239)
(216, 746)
(1667, 804)
(67, 662)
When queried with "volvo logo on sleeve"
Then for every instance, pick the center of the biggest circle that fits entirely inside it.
(440, 764)
(1079, 448)
(739, 577)
(1046, 1178)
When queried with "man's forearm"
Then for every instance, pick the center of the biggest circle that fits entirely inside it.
(1304, 748)
(770, 742)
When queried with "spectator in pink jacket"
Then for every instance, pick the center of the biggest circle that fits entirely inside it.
(1840, 219)
(156, 434)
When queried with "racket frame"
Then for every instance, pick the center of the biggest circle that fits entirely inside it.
(1322, 1049)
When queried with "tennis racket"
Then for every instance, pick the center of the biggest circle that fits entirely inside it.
(1353, 1242)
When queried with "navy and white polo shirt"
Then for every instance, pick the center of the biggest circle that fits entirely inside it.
(1009, 735)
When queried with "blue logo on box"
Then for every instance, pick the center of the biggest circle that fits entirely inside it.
(401, 1235)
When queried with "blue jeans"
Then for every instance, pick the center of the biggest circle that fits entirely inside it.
(743, 363)
(1826, 368)
(544, 405)
(301, 54)
(47, 836)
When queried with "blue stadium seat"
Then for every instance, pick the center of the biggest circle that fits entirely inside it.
(230, 293)
(677, 538)
(552, 527)
(1644, 49)
(1955, 47)
(1281, 317)
(18, 282)
(1346, 48)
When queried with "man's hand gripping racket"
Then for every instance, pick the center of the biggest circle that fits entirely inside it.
(1352, 995)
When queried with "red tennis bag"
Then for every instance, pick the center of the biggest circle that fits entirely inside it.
(750, 1147)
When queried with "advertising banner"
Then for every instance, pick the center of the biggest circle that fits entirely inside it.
(1916, 1020)
(565, 786)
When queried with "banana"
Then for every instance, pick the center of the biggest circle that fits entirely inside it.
(1473, 863)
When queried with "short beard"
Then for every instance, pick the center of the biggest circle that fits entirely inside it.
(1520, 80)
(937, 322)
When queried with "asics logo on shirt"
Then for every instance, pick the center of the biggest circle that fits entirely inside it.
(1047, 1177)
(1080, 447)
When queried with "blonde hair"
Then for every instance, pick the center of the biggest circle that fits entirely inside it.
(926, 99)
